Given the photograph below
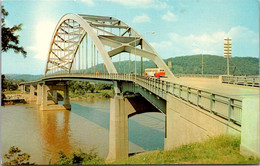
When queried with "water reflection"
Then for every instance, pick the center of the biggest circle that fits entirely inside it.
(142, 134)
(55, 131)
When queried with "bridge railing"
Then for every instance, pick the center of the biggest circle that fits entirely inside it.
(198, 75)
(223, 106)
(241, 80)
(220, 105)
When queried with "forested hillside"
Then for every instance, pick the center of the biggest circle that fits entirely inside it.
(192, 64)
(214, 65)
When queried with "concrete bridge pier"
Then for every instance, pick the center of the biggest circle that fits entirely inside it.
(66, 98)
(120, 110)
(55, 96)
(118, 130)
(44, 97)
(39, 94)
(22, 88)
(50, 92)
(32, 96)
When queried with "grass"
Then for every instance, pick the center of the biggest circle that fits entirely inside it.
(8, 92)
(217, 150)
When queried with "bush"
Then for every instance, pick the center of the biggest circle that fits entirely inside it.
(16, 157)
(78, 158)
(106, 95)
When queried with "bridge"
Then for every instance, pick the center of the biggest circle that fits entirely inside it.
(100, 49)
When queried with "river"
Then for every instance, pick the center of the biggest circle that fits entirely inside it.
(42, 133)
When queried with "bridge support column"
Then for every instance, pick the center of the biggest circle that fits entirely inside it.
(55, 96)
(66, 98)
(44, 99)
(39, 94)
(118, 132)
(250, 133)
(32, 90)
(23, 88)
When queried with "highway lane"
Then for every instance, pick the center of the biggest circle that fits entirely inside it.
(213, 85)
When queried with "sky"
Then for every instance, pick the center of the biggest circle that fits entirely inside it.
(172, 27)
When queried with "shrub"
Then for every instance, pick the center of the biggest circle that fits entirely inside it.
(78, 158)
(106, 95)
(16, 157)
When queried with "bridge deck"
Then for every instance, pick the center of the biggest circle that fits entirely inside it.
(213, 85)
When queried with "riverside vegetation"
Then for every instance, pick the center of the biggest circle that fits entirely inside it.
(216, 150)
(81, 90)
(222, 149)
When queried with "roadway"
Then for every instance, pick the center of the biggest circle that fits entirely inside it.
(213, 85)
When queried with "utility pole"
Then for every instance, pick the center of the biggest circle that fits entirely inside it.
(227, 51)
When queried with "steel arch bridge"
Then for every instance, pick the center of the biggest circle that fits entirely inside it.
(79, 42)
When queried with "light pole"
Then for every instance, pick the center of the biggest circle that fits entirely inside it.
(227, 51)
(202, 51)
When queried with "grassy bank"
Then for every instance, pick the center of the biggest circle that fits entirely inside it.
(218, 150)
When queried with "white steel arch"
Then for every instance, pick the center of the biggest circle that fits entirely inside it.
(72, 28)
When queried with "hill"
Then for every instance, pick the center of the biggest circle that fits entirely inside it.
(213, 64)
(192, 64)
(26, 77)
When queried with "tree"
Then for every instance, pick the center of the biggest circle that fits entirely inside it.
(8, 84)
(9, 39)
(16, 157)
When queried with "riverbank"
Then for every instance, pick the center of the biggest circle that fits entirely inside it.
(217, 150)
(100, 94)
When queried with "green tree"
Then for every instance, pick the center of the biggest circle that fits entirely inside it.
(8, 84)
(9, 39)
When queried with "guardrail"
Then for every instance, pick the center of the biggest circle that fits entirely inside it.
(198, 75)
(223, 106)
(241, 80)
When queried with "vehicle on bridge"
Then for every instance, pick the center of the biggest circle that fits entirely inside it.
(154, 72)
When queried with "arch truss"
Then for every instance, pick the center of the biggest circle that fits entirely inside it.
(81, 42)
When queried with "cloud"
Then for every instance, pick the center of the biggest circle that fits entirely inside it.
(156, 4)
(169, 16)
(141, 19)
(244, 43)
(42, 37)
(162, 44)
(88, 2)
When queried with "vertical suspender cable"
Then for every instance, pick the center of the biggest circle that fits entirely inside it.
(86, 53)
(129, 65)
(92, 50)
(82, 54)
(97, 61)
(94, 59)
(104, 70)
(79, 59)
(119, 64)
